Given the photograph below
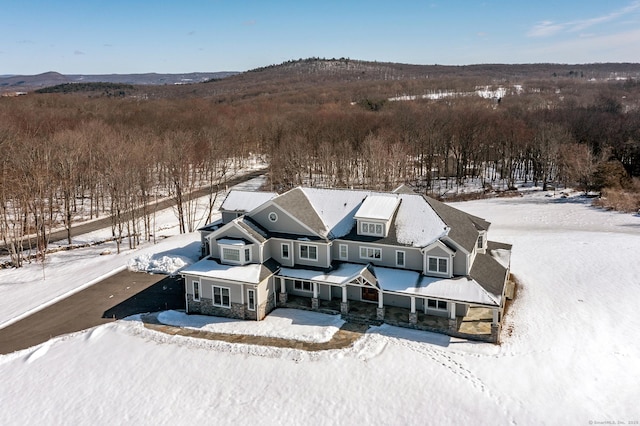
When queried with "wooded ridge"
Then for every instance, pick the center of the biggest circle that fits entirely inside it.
(318, 122)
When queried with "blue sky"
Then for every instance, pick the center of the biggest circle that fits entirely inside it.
(134, 36)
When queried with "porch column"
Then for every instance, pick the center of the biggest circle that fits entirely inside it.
(315, 302)
(495, 326)
(413, 316)
(453, 323)
(282, 297)
(344, 305)
(380, 309)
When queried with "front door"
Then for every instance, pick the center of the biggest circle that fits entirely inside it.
(370, 293)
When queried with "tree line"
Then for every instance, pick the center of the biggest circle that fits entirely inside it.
(64, 156)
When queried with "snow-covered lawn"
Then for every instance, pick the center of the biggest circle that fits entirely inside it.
(305, 326)
(570, 351)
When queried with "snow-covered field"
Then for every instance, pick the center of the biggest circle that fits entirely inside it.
(570, 351)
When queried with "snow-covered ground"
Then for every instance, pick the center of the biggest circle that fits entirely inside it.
(570, 351)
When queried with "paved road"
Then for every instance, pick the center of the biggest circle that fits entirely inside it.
(116, 297)
(105, 222)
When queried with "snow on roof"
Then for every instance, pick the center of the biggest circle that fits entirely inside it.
(245, 201)
(461, 289)
(343, 274)
(211, 269)
(417, 224)
(336, 208)
(231, 242)
(378, 207)
(396, 279)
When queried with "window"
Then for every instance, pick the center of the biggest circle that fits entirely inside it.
(400, 258)
(437, 264)
(343, 251)
(303, 285)
(251, 300)
(221, 297)
(437, 304)
(196, 291)
(480, 242)
(285, 251)
(308, 252)
(370, 253)
(235, 251)
(368, 228)
(230, 254)
(273, 217)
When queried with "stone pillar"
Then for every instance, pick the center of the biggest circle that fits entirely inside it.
(453, 324)
(282, 299)
(495, 333)
(413, 318)
(282, 296)
(344, 308)
(315, 303)
(380, 314)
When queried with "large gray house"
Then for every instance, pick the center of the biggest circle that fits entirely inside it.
(389, 250)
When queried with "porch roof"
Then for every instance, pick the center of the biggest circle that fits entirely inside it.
(344, 273)
(462, 289)
(252, 273)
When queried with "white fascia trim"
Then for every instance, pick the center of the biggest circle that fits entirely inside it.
(232, 224)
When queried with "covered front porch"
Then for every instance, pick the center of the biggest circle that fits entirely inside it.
(475, 325)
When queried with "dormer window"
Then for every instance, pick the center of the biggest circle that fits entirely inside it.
(480, 242)
(371, 228)
(236, 252)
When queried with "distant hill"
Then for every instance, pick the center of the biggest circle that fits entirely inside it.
(48, 79)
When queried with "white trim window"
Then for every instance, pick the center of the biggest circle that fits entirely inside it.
(235, 253)
(196, 291)
(370, 253)
(371, 228)
(400, 258)
(273, 216)
(439, 305)
(251, 299)
(284, 250)
(308, 252)
(221, 296)
(480, 244)
(343, 252)
(437, 265)
(303, 285)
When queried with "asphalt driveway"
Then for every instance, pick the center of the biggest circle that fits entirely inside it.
(126, 293)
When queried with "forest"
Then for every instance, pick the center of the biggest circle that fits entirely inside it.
(114, 156)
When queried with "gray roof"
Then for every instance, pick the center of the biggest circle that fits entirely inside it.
(490, 274)
(296, 203)
(463, 226)
(245, 201)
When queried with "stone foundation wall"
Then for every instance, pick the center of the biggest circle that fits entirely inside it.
(205, 307)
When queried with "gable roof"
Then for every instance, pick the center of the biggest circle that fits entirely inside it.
(245, 201)
(464, 228)
(296, 203)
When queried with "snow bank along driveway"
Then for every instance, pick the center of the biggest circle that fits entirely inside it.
(570, 351)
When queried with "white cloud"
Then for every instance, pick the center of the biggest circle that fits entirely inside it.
(550, 28)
